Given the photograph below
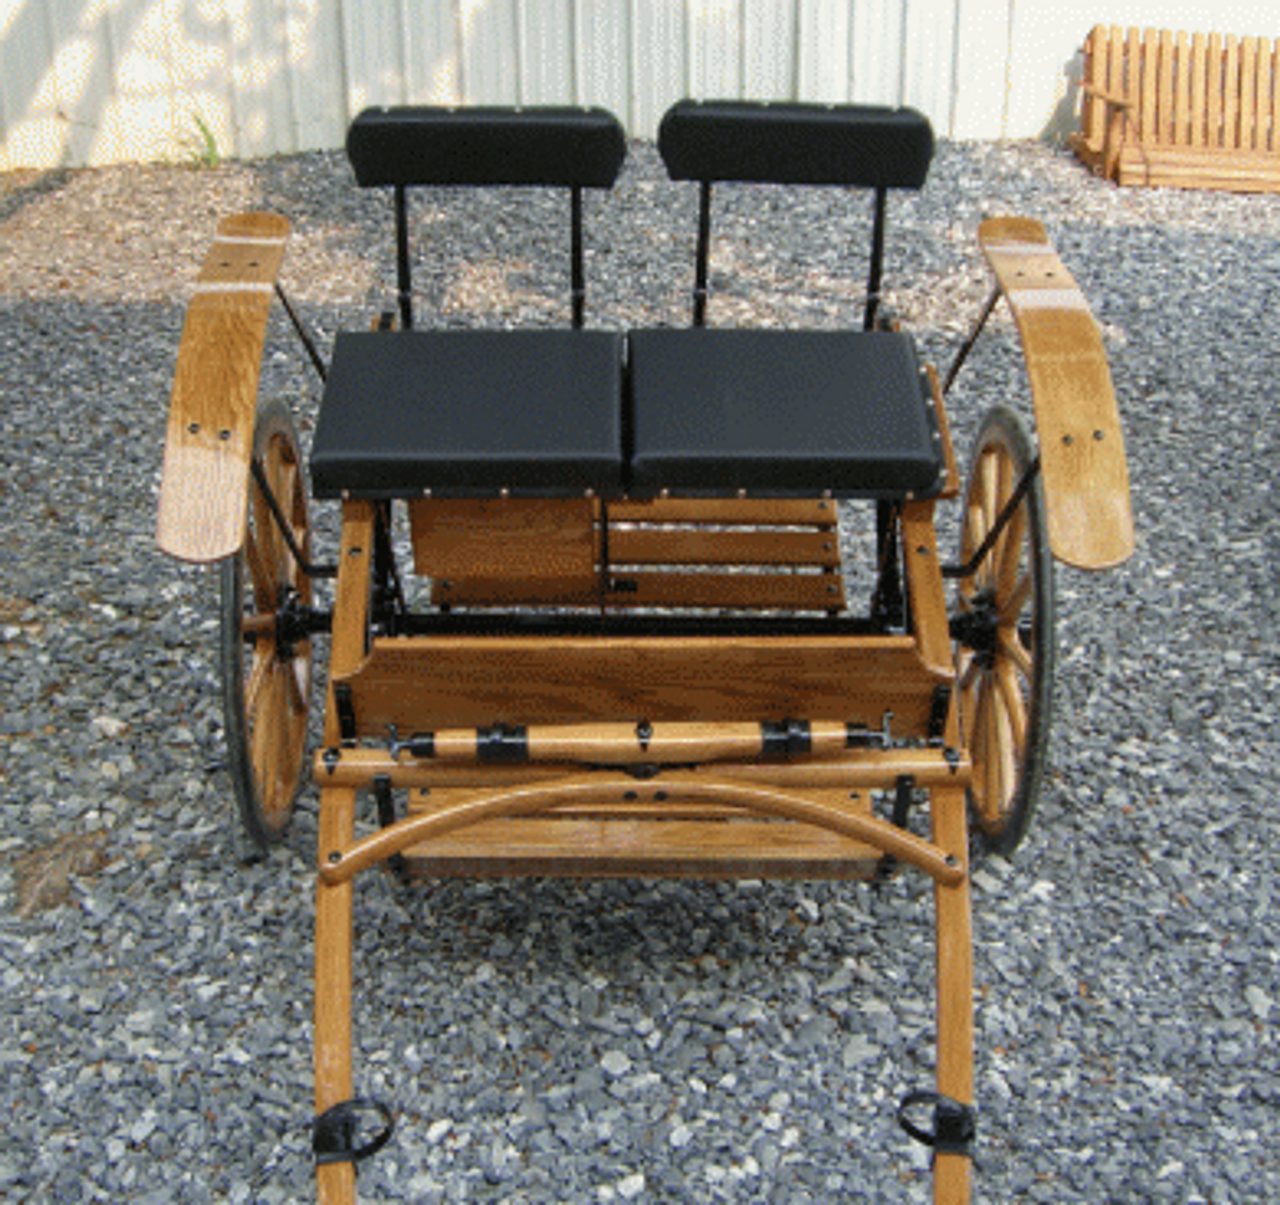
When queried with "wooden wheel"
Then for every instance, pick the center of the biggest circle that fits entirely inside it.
(266, 651)
(1005, 635)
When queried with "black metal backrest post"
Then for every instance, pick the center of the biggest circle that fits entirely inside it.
(703, 254)
(578, 282)
(876, 272)
(404, 282)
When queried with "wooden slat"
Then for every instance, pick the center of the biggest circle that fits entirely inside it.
(1231, 93)
(1215, 86)
(1248, 93)
(1083, 465)
(209, 442)
(1235, 171)
(667, 546)
(1262, 97)
(1148, 105)
(747, 512)
(1181, 70)
(1096, 63)
(1274, 145)
(1199, 101)
(426, 683)
(729, 591)
(1166, 64)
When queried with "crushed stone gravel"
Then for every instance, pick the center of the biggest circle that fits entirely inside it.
(620, 1041)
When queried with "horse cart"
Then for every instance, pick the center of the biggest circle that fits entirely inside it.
(640, 654)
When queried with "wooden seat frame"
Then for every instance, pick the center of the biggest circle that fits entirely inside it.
(610, 740)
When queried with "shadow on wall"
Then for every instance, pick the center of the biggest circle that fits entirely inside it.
(87, 83)
(1065, 118)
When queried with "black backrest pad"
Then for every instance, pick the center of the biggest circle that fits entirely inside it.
(865, 146)
(415, 145)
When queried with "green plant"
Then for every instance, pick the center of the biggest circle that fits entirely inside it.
(202, 145)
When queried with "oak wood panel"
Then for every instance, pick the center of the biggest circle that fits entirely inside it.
(1083, 464)
(426, 683)
(640, 841)
(516, 537)
(209, 441)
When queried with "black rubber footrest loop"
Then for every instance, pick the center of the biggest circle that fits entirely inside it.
(954, 1124)
(335, 1132)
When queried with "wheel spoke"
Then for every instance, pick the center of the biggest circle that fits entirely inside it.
(1014, 602)
(266, 739)
(1009, 691)
(259, 574)
(1010, 557)
(263, 656)
(1011, 647)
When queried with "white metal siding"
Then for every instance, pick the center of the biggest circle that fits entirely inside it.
(96, 81)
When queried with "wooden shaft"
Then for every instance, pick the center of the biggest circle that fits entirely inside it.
(342, 862)
(623, 744)
(335, 1182)
(865, 769)
(951, 1173)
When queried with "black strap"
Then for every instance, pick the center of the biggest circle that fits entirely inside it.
(954, 1124)
(334, 1132)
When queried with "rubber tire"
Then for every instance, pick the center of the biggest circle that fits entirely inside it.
(1002, 813)
(266, 735)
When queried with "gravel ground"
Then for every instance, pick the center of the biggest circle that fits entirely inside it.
(560, 1042)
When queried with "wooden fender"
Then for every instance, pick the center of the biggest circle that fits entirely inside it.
(204, 484)
(1082, 457)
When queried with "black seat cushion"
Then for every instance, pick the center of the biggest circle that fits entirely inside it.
(782, 412)
(470, 412)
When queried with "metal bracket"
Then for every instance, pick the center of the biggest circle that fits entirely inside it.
(954, 1124)
(502, 745)
(344, 704)
(789, 738)
(334, 1134)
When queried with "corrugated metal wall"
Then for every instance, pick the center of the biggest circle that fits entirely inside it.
(97, 81)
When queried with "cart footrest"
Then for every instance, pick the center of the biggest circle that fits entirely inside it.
(639, 838)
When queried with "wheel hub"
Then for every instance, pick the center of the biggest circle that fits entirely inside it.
(976, 627)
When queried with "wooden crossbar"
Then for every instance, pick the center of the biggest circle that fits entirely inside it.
(1173, 109)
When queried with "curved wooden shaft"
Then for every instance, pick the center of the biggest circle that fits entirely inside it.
(341, 863)
(1082, 456)
(204, 487)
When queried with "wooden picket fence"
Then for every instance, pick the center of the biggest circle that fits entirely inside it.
(1181, 110)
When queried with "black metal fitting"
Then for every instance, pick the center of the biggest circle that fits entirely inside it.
(954, 1124)
(644, 734)
(344, 704)
(788, 738)
(335, 1133)
(501, 745)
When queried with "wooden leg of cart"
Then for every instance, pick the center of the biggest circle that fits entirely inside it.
(336, 1177)
(335, 1181)
(955, 995)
